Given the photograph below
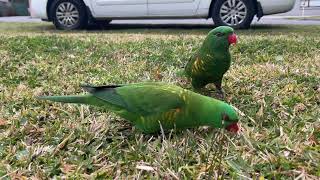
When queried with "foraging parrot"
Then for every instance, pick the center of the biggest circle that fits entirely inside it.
(150, 106)
(212, 60)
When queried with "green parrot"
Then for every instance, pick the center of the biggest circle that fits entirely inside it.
(212, 60)
(149, 105)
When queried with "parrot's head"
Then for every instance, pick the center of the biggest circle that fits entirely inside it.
(219, 114)
(221, 37)
(229, 119)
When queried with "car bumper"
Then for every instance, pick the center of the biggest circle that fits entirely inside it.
(276, 6)
(38, 8)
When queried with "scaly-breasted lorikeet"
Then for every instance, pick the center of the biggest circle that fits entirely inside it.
(147, 105)
(212, 60)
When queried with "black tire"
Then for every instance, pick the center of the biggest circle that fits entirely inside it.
(79, 22)
(243, 23)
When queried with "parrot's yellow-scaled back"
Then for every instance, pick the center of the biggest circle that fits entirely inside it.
(147, 105)
(212, 60)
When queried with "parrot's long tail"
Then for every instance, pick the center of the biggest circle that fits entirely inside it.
(78, 99)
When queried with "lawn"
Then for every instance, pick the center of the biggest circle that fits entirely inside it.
(274, 81)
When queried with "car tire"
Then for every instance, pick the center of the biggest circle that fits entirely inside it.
(69, 14)
(234, 13)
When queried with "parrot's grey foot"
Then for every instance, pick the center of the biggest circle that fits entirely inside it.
(220, 92)
(221, 95)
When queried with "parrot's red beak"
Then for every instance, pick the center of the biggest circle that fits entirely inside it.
(232, 39)
(233, 128)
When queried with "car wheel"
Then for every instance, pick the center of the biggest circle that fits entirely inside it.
(69, 14)
(233, 13)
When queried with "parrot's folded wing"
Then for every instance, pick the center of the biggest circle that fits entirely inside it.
(139, 99)
(106, 93)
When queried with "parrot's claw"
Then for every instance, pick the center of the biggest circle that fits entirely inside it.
(220, 94)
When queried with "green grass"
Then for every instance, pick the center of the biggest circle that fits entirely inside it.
(274, 81)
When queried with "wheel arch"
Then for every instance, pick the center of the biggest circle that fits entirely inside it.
(257, 8)
(50, 2)
(213, 2)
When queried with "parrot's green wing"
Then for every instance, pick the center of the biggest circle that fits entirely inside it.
(189, 67)
(106, 93)
(143, 99)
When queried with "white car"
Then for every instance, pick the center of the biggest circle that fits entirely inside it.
(76, 14)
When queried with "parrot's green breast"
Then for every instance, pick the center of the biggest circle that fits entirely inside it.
(211, 61)
(208, 69)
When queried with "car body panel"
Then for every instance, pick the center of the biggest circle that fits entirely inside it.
(276, 6)
(38, 8)
(168, 8)
(119, 8)
(203, 8)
